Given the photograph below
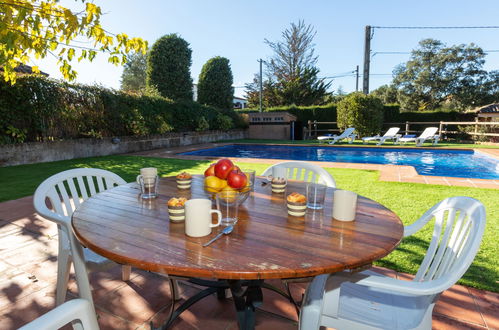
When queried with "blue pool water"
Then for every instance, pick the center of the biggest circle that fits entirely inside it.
(453, 163)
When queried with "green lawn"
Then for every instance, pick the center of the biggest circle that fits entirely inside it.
(372, 144)
(408, 200)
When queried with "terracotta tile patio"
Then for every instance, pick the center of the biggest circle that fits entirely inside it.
(28, 262)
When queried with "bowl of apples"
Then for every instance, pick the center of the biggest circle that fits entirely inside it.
(226, 178)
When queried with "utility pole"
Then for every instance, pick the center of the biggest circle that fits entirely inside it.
(367, 59)
(261, 84)
(357, 79)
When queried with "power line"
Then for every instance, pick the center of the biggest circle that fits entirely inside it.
(435, 27)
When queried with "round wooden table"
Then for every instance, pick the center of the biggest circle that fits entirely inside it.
(266, 243)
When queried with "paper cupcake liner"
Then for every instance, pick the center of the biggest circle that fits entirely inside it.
(278, 188)
(184, 184)
(297, 209)
(176, 213)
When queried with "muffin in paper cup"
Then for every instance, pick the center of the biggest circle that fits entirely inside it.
(297, 204)
(184, 181)
(176, 209)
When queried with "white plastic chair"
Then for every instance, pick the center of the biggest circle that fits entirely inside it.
(347, 134)
(428, 134)
(66, 191)
(391, 134)
(304, 171)
(78, 311)
(368, 300)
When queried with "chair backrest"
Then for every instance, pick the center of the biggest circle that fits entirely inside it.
(457, 233)
(347, 132)
(76, 309)
(304, 171)
(68, 189)
(428, 132)
(392, 131)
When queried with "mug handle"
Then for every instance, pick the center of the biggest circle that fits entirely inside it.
(219, 218)
(138, 178)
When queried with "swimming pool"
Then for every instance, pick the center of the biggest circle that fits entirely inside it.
(436, 162)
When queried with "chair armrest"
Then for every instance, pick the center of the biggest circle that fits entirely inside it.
(56, 217)
(392, 284)
(76, 309)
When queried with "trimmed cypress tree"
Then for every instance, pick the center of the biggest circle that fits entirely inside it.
(215, 83)
(168, 68)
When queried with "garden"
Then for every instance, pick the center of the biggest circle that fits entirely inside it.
(145, 227)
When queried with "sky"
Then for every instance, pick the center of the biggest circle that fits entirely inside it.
(237, 30)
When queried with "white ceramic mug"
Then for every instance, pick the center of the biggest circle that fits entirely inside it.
(198, 217)
(344, 205)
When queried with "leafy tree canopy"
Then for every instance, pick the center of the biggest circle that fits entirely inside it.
(169, 68)
(436, 74)
(33, 28)
(133, 78)
(291, 73)
(215, 83)
(386, 93)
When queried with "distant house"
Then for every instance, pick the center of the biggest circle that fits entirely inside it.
(488, 112)
(23, 69)
(240, 103)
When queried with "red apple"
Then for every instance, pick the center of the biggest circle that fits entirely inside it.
(223, 167)
(210, 171)
(237, 179)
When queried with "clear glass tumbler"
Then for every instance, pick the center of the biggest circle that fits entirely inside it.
(148, 186)
(228, 203)
(316, 193)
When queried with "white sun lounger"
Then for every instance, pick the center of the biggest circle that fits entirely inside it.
(391, 134)
(347, 134)
(428, 134)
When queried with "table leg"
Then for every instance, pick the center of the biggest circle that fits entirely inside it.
(188, 303)
(246, 300)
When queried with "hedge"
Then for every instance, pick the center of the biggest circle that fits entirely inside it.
(392, 114)
(364, 112)
(304, 114)
(38, 108)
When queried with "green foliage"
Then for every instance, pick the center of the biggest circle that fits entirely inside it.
(168, 68)
(215, 83)
(224, 122)
(33, 29)
(437, 74)
(202, 124)
(304, 114)
(41, 109)
(292, 74)
(364, 112)
(133, 78)
(391, 115)
(386, 93)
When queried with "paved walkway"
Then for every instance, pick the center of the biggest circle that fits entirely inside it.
(28, 263)
(397, 173)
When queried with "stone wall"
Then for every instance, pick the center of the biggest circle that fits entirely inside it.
(39, 152)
